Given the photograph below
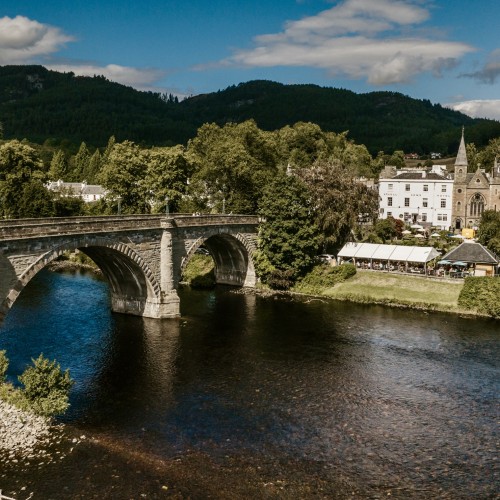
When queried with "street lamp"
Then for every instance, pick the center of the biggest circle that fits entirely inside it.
(119, 200)
(167, 208)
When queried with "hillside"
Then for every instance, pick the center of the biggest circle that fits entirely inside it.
(41, 105)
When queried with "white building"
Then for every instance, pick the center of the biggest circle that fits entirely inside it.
(88, 192)
(417, 196)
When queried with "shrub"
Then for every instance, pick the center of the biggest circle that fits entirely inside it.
(481, 294)
(4, 364)
(46, 387)
(281, 280)
(325, 277)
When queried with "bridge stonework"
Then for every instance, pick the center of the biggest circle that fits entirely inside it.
(142, 257)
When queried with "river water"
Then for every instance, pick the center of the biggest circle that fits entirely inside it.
(253, 397)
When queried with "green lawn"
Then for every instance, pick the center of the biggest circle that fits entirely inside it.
(373, 286)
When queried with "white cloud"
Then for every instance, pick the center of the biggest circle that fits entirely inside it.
(360, 39)
(479, 108)
(142, 79)
(23, 40)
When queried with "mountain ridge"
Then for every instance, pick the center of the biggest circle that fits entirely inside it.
(44, 105)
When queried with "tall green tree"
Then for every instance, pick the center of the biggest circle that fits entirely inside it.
(489, 230)
(93, 168)
(80, 163)
(123, 176)
(22, 177)
(166, 176)
(232, 165)
(58, 166)
(288, 236)
(339, 200)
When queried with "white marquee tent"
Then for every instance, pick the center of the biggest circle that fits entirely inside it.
(387, 253)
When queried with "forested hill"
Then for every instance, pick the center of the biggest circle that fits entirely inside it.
(40, 104)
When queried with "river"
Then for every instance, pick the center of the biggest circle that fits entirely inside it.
(253, 397)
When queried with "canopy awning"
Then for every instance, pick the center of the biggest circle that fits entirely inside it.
(394, 253)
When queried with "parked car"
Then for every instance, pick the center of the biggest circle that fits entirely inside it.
(326, 258)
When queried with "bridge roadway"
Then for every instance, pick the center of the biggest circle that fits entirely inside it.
(142, 256)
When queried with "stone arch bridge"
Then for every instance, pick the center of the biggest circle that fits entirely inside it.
(142, 256)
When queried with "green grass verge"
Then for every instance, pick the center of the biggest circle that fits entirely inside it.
(398, 290)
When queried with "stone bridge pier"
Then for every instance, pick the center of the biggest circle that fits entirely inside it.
(142, 257)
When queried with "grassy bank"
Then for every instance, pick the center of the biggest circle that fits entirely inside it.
(372, 287)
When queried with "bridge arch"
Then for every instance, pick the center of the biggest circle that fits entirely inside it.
(232, 255)
(131, 281)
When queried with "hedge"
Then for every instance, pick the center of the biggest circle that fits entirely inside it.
(481, 294)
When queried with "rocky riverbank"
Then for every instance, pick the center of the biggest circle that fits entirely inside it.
(25, 436)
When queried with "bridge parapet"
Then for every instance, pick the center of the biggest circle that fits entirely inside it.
(29, 228)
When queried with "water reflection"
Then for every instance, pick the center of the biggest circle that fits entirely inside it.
(387, 400)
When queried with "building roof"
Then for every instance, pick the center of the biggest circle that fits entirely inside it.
(394, 253)
(471, 252)
(419, 175)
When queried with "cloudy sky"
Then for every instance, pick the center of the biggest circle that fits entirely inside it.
(447, 51)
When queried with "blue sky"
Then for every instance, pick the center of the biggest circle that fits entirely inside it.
(447, 51)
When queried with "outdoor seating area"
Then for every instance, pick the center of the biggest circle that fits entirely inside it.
(468, 259)
(391, 258)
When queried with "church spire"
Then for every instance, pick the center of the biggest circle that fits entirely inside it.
(461, 159)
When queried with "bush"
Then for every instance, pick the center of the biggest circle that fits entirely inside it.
(481, 294)
(4, 364)
(322, 277)
(281, 280)
(46, 387)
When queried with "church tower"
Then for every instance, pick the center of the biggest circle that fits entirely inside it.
(461, 162)
(460, 186)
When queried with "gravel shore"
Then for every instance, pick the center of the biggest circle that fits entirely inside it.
(22, 434)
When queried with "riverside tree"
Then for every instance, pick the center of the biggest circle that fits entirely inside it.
(338, 199)
(288, 235)
(46, 387)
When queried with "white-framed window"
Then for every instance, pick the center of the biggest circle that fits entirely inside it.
(407, 202)
(443, 188)
(389, 214)
(426, 187)
(443, 203)
(407, 187)
(389, 201)
(424, 217)
(425, 202)
(390, 187)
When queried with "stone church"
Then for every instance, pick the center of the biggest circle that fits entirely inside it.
(473, 193)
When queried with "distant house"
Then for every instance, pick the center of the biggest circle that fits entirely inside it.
(87, 192)
(476, 255)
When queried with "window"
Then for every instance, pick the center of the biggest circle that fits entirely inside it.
(424, 217)
(390, 187)
(443, 188)
(425, 202)
(443, 203)
(459, 191)
(389, 214)
(426, 187)
(407, 187)
(407, 202)
(445, 217)
(477, 205)
(389, 201)
(440, 217)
